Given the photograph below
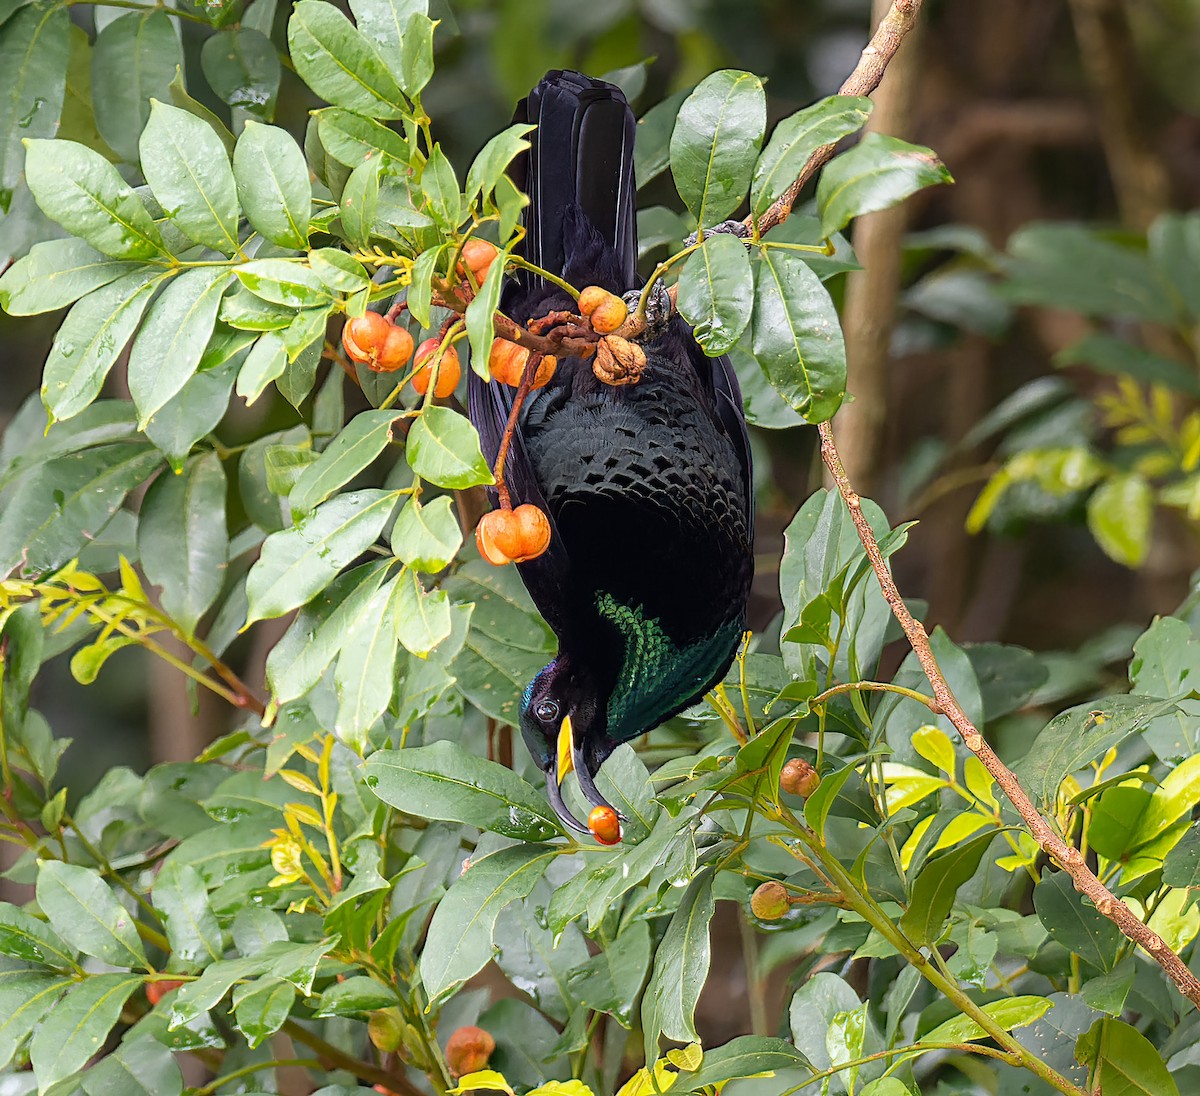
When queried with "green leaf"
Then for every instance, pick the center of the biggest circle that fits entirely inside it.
(446, 782)
(85, 490)
(281, 282)
(180, 895)
(78, 1025)
(458, 942)
(341, 64)
(352, 139)
(1074, 923)
(186, 165)
(183, 541)
(24, 937)
(355, 996)
(481, 313)
(199, 405)
(181, 99)
(1007, 1013)
(83, 911)
(1124, 1062)
(796, 335)
(1119, 514)
(55, 274)
(440, 186)
(366, 671)
(315, 637)
(1175, 250)
(716, 292)
(1078, 737)
(427, 538)
(138, 1067)
(493, 159)
(716, 141)
(423, 617)
(241, 66)
(82, 191)
(876, 173)
(383, 22)
(173, 338)
(360, 202)
(680, 968)
(297, 563)
(796, 138)
(744, 1056)
(91, 339)
(358, 444)
(936, 886)
(1182, 865)
(134, 61)
(34, 48)
(443, 448)
(416, 54)
(272, 184)
(261, 1007)
(811, 1013)
(25, 997)
(265, 363)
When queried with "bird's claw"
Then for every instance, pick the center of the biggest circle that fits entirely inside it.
(658, 308)
(726, 228)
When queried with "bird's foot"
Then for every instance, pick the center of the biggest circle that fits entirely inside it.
(658, 308)
(728, 228)
(618, 361)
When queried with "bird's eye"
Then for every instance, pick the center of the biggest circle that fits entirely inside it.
(546, 711)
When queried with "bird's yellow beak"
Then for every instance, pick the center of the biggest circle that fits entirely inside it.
(566, 749)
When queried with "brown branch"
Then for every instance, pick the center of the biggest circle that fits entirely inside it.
(892, 29)
(1066, 856)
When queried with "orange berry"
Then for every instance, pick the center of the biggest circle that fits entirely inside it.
(156, 991)
(495, 533)
(507, 361)
(468, 1050)
(606, 310)
(770, 901)
(362, 334)
(533, 532)
(448, 372)
(477, 257)
(392, 352)
(605, 825)
(591, 299)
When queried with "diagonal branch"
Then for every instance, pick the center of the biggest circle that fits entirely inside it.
(1065, 855)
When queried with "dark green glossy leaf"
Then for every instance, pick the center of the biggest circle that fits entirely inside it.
(680, 967)
(25, 937)
(261, 1007)
(356, 446)
(936, 887)
(1125, 1061)
(200, 404)
(422, 617)
(25, 997)
(1075, 923)
(138, 1067)
(716, 292)
(716, 141)
(876, 173)
(366, 671)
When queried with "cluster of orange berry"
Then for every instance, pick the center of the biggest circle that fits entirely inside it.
(385, 347)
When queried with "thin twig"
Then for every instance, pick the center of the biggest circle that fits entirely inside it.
(1066, 856)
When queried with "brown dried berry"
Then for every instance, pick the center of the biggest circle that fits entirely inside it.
(618, 361)
(799, 778)
(605, 825)
(770, 901)
(468, 1050)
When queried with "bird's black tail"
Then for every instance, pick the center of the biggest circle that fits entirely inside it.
(578, 174)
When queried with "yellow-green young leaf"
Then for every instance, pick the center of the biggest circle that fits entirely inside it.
(1126, 1062)
(876, 173)
(486, 1079)
(559, 1088)
(979, 781)
(188, 170)
(745, 1056)
(172, 340)
(83, 192)
(1175, 797)
(906, 785)
(135, 59)
(273, 185)
(340, 63)
(933, 744)
(715, 143)
(91, 338)
(77, 1027)
(1119, 514)
(427, 538)
(1008, 1013)
(300, 562)
(1174, 920)
(909, 851)
(959, 829)
(34, 51)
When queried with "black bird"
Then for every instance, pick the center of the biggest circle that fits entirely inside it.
(647, 485)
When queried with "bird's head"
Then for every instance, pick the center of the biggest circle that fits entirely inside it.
(563, 722)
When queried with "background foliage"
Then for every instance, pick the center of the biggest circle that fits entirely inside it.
(321, 917)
